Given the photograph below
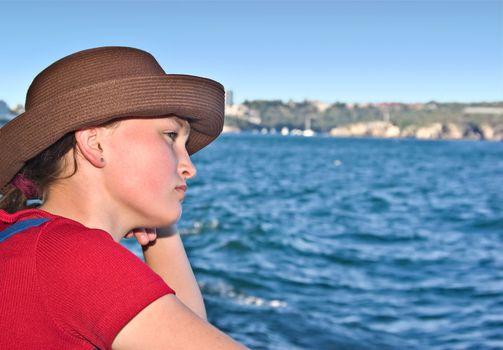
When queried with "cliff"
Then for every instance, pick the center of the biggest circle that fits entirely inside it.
(444, 131)
(431, 120)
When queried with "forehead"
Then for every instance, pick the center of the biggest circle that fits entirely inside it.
(166, 123)
(162, 121)
(174, 121)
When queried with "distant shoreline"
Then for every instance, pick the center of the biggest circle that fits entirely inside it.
(386, 130)
(431, 120)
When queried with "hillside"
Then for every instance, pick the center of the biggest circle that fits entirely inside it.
(448, 120)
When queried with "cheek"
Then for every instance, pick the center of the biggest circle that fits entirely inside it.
(144, 162)
(160, 174)
(157, 166)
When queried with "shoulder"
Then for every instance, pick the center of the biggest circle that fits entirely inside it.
(70, 230)
(89, 282)
(65, 246)
(62, 239)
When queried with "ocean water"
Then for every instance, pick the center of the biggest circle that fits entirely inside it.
(325, 243)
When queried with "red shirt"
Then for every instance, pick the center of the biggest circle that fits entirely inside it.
(65, 286)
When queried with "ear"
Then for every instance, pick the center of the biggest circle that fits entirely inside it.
(89, 146)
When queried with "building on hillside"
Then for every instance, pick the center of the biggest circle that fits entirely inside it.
(229, 98)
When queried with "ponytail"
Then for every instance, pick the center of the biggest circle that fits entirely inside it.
(13, 200)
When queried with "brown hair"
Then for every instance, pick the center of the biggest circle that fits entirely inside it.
(42, 170)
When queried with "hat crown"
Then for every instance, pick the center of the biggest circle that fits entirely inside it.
(90, 67)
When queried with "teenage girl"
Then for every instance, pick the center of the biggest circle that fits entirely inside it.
(102, 153)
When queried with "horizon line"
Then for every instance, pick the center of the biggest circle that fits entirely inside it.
(337, 101)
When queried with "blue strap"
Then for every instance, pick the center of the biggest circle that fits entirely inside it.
(20, 226)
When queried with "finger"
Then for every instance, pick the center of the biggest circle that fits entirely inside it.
(151, 234)
(141, 236)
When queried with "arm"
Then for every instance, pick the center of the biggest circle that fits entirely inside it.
(166, 256)
(169, 324)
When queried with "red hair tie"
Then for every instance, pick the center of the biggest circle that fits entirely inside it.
(26, 186)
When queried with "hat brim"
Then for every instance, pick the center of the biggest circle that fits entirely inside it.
(198, 100)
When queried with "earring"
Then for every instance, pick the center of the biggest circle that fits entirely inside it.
(101, 149)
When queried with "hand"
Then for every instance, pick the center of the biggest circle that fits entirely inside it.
(143, 235)
(146, 235)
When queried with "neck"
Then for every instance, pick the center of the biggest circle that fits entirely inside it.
(75, 201)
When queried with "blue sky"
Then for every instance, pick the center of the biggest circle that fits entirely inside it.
(349, 51)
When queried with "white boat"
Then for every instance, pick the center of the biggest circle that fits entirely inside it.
(308, 132)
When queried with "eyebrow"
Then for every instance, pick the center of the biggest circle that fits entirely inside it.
(185, 126)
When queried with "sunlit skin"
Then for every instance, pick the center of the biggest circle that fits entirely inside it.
(179, 135)
(133, 168)
(146, 160)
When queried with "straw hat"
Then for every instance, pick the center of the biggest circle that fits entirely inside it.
(94, 86)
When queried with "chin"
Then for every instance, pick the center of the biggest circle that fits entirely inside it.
(167, 217)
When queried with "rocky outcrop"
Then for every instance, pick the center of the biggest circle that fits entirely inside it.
(230, 129)
(434, 131)
(372, 129)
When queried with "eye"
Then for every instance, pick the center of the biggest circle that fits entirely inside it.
(172, 135)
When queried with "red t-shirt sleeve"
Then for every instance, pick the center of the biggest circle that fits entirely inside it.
(90, 285)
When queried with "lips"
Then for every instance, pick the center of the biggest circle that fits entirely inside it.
(182, 188)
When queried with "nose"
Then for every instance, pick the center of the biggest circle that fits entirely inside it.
(186, 168)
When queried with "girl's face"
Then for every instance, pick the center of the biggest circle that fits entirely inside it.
(146, 160)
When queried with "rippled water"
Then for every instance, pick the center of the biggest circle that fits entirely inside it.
(323, 243)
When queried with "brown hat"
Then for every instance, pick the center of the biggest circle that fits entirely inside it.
(94, 86)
